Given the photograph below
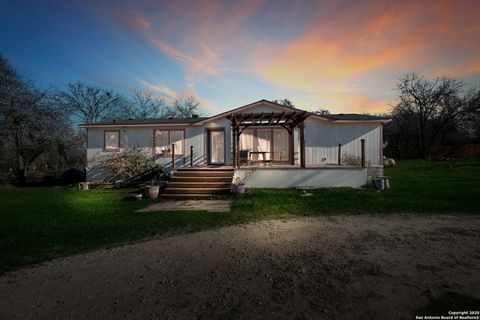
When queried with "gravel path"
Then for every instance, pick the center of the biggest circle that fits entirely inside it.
(342, 267)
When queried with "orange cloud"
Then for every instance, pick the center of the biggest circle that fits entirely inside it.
(343, 102)
(207, 106)
(341, 56)
(358, 44)
(159, 89)
(205, 62)
(207, 36)
(133, 19)
(169, 49)
(168, 94)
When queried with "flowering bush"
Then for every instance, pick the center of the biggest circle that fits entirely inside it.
(126, 165)
(351, 160)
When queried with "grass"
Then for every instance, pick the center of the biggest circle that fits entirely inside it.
(38, 224)
(416, 186)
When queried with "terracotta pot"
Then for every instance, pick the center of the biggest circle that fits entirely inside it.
(152, 191)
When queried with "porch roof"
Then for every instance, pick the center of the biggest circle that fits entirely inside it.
(288, 120)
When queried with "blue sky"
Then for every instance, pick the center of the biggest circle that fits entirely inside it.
(321, 54)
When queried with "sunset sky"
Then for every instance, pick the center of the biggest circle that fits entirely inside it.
(344, 56)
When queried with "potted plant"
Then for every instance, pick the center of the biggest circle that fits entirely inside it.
(152, 190)
(238, 186)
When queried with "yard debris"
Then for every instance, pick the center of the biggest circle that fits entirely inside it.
(305, 193)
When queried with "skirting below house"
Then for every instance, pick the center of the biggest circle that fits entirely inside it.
(303, 178)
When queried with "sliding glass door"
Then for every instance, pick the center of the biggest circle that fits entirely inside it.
(281, 145)
(266, 144)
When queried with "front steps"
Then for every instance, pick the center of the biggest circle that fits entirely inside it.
(199, 183)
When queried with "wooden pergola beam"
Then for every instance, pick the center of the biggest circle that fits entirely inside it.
(271, 118)
(290, 120)
(280, 117)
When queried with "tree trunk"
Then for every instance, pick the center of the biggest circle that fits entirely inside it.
(20, 172)
(21, 179)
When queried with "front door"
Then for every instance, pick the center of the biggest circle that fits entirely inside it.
(216, 146)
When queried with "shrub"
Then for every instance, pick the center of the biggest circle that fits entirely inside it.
(351, 160)
(126, 164)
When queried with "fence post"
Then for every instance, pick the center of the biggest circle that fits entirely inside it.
(362, 141)
(339, 154)
(173, 155)
(191, 156)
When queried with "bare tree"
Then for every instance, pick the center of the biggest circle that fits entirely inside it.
(183, 107)
(471, 120)
(144, 105)
(32, 126)
(25, 120)
(90, 103)
(322, 112)
(426, 108)
(285, 102)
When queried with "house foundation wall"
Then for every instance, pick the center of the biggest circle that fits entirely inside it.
(303, 178)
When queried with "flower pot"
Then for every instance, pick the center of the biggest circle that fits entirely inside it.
(238, 189)
(152, 191)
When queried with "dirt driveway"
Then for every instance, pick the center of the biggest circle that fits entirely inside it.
(342, 267)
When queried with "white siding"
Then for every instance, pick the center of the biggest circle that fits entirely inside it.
(322, 139)
(321, 142)
(142, 138)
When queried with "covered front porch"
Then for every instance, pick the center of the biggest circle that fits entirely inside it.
(267, 139)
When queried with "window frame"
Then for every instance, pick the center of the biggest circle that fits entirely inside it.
(105, 132)
(169, 154)
(272, 144)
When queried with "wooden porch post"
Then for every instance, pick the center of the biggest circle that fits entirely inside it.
(234, 147)
(292, 146)
(238, 147)
(191, 156)
(362, 141)
(301, 125)
(173, 155)
(339, 154)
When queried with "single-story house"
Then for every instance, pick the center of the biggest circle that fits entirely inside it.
(265, 143)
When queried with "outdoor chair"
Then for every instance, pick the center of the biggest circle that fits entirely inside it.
(245, 157)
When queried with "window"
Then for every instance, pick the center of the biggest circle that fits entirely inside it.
(270, 141)
(246, 140)
(280, 145)
(163, 140)
(176, 137)
(112, 140)
(264, 143)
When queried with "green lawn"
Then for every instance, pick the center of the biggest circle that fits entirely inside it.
(416, 186)
(37, 224)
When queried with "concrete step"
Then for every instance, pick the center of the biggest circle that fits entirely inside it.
(211, 191)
